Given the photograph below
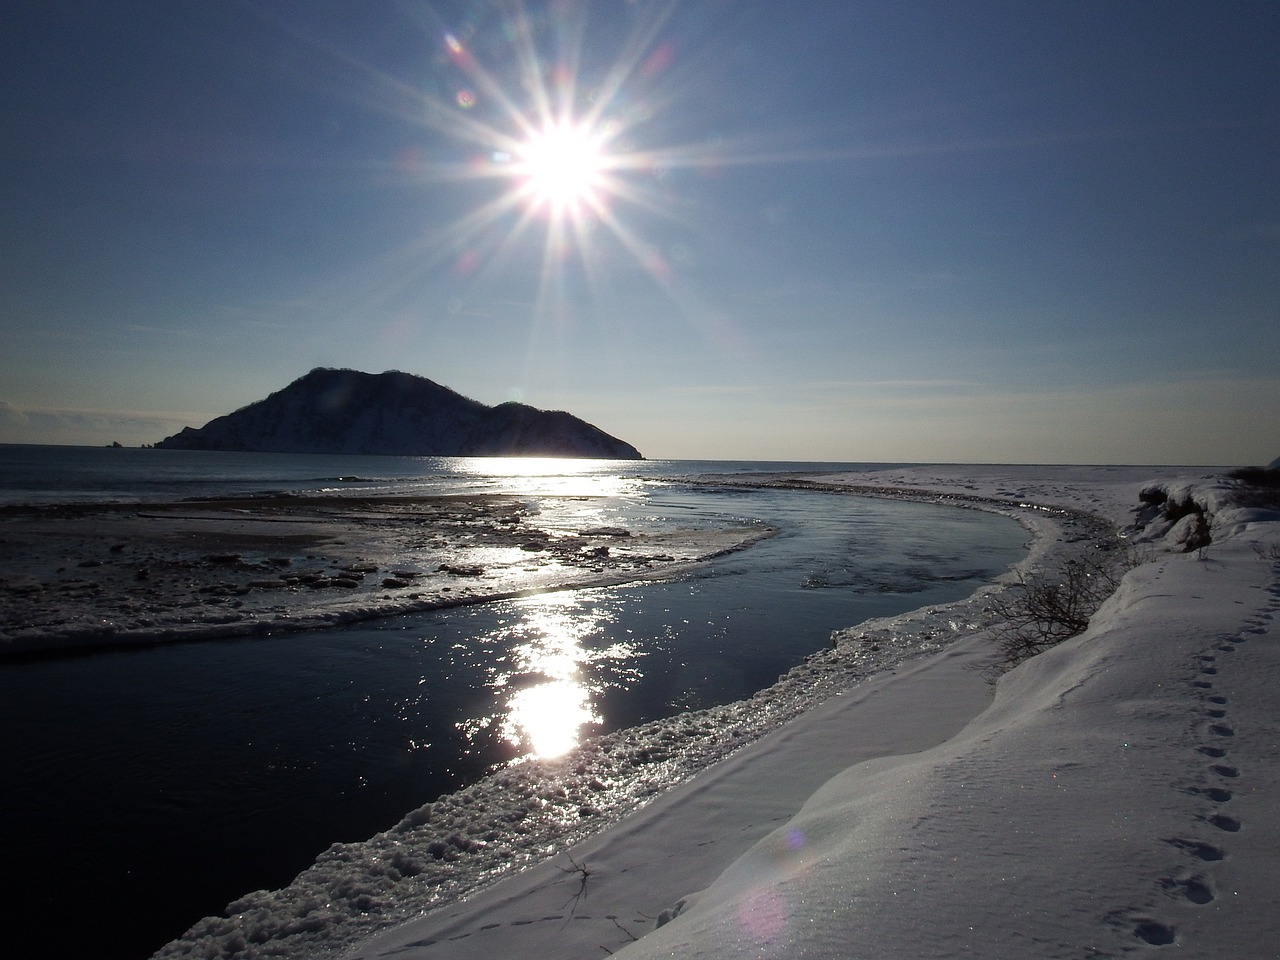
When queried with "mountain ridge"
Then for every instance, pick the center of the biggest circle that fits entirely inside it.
(332, 410)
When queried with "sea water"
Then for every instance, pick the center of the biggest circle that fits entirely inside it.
(33, 473)
(150, 787)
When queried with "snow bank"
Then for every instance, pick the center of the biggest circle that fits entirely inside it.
(1117, 796)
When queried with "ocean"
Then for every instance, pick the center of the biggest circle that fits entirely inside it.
(163, 782)
(32, 473)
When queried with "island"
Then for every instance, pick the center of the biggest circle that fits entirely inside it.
(347, 411)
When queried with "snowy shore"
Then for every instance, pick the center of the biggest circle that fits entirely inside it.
(1118, 796)
(1092, 809)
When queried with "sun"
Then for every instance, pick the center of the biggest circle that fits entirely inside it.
(562, 167)
(566, 136)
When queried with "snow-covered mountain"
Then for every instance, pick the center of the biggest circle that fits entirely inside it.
(346, 411)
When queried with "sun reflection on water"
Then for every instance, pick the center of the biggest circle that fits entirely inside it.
(554, 673)
(548, 718)
(551, 476)
(527, 466)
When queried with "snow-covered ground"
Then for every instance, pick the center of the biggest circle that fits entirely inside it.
(1113, 796)
(1118, 796)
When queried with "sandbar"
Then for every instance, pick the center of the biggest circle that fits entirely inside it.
(77, 576)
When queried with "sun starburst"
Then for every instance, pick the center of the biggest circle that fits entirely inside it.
(563, 144)
(563, 168)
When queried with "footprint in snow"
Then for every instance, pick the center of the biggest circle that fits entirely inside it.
(1198, 848)
(1216, 794)
(1195, 888)
(1225, 823)
(1155, 933)
(417, 943)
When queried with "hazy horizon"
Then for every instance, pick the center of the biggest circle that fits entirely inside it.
(886, 232)
(648, 459)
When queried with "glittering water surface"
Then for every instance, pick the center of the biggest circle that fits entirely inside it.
(231, 765)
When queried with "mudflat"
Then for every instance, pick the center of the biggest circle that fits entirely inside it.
(84, 575)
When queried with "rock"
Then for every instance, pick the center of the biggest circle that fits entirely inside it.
(461, 570)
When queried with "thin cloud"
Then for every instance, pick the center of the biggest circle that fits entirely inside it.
(92, 427)
(714, 390)
(161, 331)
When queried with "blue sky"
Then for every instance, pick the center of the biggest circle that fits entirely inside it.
(899, 231)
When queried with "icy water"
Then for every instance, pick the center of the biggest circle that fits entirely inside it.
(150, 787)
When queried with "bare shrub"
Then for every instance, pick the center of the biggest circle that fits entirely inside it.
(1270, 551)
(1258, 487)
(1045, 608)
